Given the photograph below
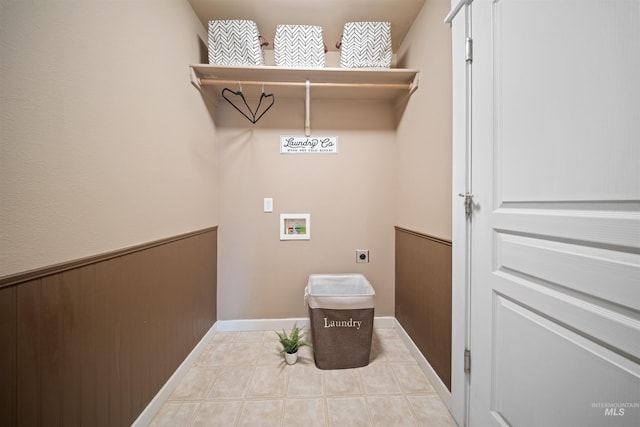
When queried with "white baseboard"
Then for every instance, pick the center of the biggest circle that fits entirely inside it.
(156, 403)
(384, 322)
(426, 367)
(145, 418)
(259, 324)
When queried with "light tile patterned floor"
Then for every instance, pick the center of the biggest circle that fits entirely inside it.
(241, 379)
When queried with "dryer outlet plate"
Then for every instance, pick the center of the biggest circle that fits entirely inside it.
(362, 255)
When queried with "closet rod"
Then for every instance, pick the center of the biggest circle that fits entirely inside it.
(215, 82)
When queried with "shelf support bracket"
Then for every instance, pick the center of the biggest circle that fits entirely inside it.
(307, 109)
(195, 81)
(413, 86)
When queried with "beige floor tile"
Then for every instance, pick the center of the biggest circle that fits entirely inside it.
(348, 411)
(217, 414)
(411, 378)
(430, 410)
(304, 412)
(224, 337)
(305, 355)
(305, 380)
(342, 382)
(390, 411)
(395, 350)
(261, 413)
(242, 353)
(195, 384)
(251, 337)
(272, 336)
(377, 352)
(214, 355)
(241, 379)
(384, 333)
(270, 354)
(230, 383)
(268, 382)
(377, 378)
(174, 414)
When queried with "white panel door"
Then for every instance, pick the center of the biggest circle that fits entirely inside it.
(555, 269)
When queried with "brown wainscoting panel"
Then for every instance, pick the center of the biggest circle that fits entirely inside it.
(423, 296)
(93, 343)
(8, 362)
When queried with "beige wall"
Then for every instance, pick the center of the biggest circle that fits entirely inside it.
(381, 177)
(424, 132)
(104, 143)
(349, 196)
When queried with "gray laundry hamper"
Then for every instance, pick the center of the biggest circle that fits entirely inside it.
(341, 308)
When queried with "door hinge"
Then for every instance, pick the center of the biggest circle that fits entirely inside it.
(468, 203)
(468, 44)
(467, 361)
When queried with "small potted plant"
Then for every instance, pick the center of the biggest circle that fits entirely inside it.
(291, 343)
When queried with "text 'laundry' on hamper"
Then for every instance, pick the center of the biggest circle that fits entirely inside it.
(341, 308)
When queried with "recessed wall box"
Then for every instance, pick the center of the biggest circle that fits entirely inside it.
(295, 226)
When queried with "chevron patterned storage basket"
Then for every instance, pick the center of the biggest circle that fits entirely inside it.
(366, 45)
(299, 46)
(234, 42)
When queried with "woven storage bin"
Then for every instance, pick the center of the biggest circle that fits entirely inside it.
(341, 311)
(234, 42)
(298, 46)
(366, 45)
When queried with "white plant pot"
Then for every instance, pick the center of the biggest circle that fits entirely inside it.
(291, 358)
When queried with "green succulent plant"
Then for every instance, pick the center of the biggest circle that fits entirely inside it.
(292, 342)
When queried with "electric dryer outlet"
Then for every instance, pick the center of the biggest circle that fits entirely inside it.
(362, 255)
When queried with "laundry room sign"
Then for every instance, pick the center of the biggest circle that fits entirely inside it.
(308, 144)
